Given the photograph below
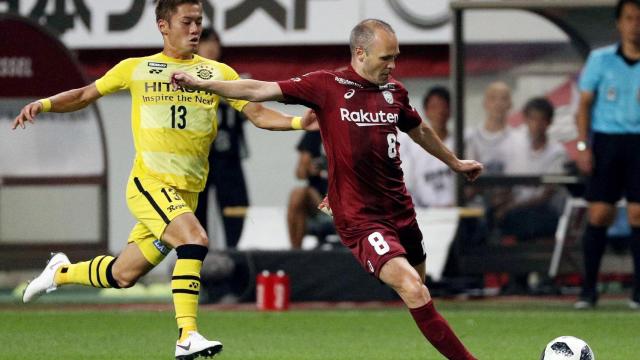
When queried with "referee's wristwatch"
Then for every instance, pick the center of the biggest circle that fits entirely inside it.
(581, 145)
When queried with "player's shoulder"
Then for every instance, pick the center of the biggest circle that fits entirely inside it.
(605, 52)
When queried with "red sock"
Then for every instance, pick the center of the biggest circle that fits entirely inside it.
(436, 329)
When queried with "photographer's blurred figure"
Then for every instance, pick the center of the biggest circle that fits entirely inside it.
(303, 201)
(225, 160)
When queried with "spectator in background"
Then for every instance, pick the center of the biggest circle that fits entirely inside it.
(303, 201)
(493, 141)
(225, 160)
(608, 145)
(533, 211)
(429, 180)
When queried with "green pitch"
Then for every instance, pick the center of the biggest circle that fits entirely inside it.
(492, 331)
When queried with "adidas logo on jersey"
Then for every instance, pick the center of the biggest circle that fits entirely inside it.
(363, 118)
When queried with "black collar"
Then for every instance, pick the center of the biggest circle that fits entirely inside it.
(630, 62)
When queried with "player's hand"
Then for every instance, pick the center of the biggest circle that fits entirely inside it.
(28, 113)
(471, 169)
(310, 121)
(324, 206)
(182, 79)
(584, 161)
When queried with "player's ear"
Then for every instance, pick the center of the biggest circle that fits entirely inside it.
(360, 53)
(163, 26)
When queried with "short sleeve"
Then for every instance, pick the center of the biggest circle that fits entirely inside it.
(307, 90)
(229, 74)
(409, 117)
(118, 78)
(590, 76)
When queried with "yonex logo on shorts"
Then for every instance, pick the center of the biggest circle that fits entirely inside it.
(155, 71)
(164, 250)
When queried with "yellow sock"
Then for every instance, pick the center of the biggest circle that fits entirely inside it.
(95, 272)
(185, 285)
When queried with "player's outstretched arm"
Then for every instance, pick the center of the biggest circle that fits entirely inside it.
(269, 119)
(246, 89)
(67, 101)
(424, 136)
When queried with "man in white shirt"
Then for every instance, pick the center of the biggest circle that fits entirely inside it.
(533, 211)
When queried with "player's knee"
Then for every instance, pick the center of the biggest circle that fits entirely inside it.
(413, 290)
(601, 215)
(124, 279)
(197, 237)
(633, 214)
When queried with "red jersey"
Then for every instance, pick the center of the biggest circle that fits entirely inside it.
(358, 123)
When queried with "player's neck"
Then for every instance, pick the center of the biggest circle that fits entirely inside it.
(360, 71)
(631, 50)
(175, 54)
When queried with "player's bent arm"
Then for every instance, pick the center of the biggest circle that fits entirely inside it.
(245, 89)
(269, 119)
(583, 116)
(66, 101)
(424, 136)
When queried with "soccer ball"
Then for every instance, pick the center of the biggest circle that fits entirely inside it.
(567, 348)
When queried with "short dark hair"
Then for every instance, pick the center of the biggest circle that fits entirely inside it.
(166, 8)
(439, 91)
(540, 104)
(209, 34)
(363, 33)
(621, 4)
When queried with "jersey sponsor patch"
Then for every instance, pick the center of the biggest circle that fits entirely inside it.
(154, 64)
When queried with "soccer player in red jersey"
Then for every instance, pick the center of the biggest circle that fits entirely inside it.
(359, 111)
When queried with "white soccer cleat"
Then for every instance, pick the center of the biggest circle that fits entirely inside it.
(195, 345)
(44, 282)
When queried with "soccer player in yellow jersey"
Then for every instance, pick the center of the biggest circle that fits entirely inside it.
(172, 133)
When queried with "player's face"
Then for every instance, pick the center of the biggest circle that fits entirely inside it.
(379, 59)
(537, 124)
(629, 24)
(182, 32)
(437, 111)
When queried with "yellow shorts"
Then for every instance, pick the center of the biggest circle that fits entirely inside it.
(155, 204)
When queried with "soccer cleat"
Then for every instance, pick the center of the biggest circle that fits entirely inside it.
(195, 345)
(44, 283)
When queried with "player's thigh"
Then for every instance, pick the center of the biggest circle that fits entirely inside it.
(185, 230)
(156, 204)
(607, 181)
(601, 213)
(373, 244)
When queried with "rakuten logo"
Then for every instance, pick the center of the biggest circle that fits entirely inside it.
(362, 118)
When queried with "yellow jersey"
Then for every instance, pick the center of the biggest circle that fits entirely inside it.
(172, 130)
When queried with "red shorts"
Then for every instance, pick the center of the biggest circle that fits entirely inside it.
(374, 243)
